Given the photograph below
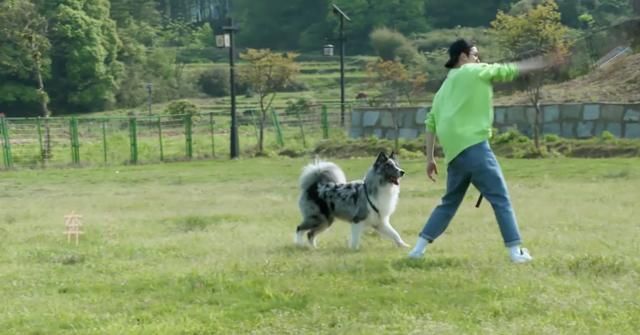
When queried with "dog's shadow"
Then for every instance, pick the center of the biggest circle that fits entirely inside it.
(402, 263)
(431, 264)
(292, 250)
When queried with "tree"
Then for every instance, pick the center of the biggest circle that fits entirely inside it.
(24, 51)
(392, 45)
(85, 68)
(24, 54)
(451, 13)
(538, 31)
(604, 12)
(395, 82)
(399, 15)
(266, 73)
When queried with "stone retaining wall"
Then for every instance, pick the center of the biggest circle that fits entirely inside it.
(566, 120)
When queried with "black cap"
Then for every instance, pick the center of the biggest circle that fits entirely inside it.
(455, 50)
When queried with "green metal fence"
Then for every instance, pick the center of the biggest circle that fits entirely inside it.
(81, 141)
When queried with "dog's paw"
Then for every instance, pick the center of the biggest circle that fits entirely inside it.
(403, 245)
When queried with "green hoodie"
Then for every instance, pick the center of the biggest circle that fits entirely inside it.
(462, 111)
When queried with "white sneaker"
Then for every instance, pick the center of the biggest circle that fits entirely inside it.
(416, 254)
(521, 255)
(419, 249)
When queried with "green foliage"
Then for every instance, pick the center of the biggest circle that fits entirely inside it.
(284, 24)
(265, 73)
(395, 81)
(452, 13)
(536, 31)
(601, 12)
(24, 54)
(551, 138)
(299, 106)
(607, 136)
(97, 54)
(214, 82)
(392, 45)
(180, 108)
(84, 62)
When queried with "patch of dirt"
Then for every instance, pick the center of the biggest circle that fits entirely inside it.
(618, 82)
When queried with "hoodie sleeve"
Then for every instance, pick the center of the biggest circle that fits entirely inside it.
(430, 121)
(497, 72)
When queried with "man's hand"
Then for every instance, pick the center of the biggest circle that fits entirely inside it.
(432, 169)
(552, 60)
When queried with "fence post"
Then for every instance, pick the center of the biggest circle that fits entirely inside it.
(213, 140)
(325, 122)
(160, 137)
(133, 139)
(42, 151)
(304, 141)
(188, 136)
(104, 140)
(6, 144)
(276, 124)
(75, 143)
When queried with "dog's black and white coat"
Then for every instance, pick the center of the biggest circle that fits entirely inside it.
(326, 195)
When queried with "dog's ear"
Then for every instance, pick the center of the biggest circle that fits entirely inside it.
(382, 158)
(393, 156)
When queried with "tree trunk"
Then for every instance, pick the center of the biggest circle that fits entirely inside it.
(263, 119)
(536, 127)
(46, 151)
(533, 91)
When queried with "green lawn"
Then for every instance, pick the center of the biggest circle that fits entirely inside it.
(207, 248)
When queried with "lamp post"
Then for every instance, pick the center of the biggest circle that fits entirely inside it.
(342, 16)
(226, 41)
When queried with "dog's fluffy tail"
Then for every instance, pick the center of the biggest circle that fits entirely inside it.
(321, 172)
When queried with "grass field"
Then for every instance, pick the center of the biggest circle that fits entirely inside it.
(206, 248)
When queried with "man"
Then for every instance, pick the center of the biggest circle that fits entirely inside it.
(461, 117)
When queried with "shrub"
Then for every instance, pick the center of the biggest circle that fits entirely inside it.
(214, 83)
(607, 136)
(179, 108)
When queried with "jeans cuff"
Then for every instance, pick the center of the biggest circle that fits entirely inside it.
(426, 237)
(512, 243)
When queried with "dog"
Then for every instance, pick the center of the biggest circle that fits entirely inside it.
(326, 195)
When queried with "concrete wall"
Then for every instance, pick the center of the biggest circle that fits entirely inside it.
(566, 120)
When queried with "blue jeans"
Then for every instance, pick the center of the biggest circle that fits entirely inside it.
(475, 165)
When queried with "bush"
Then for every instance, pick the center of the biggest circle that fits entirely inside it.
(551, 138)
(391, 45)
(510, 136)
(179, 108)
(294, 86)
(607, 136)
(301, 105)
(214, 83)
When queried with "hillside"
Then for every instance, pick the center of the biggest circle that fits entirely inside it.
(618, 82)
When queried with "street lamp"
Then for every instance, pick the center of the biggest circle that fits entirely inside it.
(327, 50)
(337, 11)
(149, 89)
(226, 41)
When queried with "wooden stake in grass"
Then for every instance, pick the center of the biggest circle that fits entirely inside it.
(73, 222)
